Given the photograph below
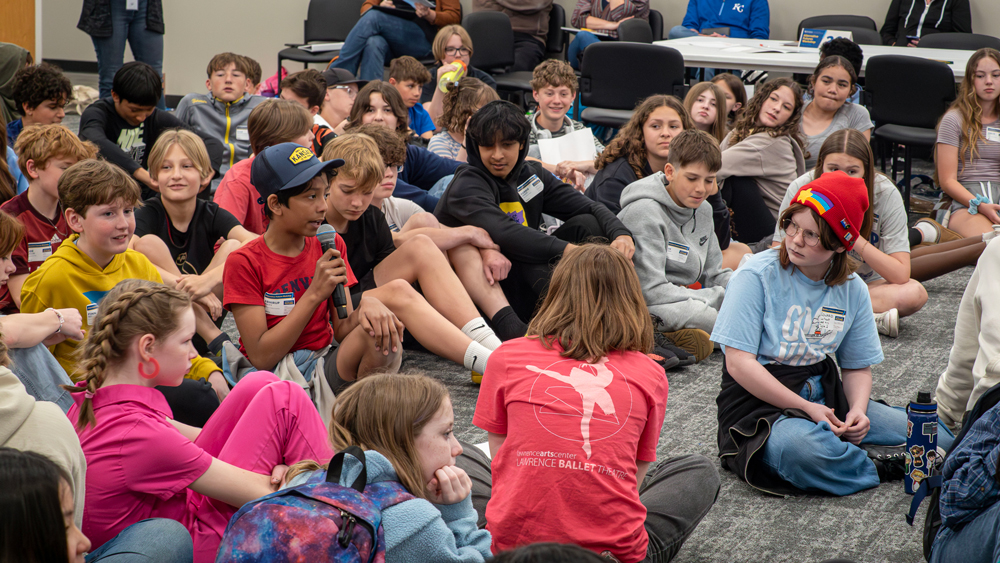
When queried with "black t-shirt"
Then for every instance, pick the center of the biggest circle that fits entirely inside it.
(368, 241)
(192, 250)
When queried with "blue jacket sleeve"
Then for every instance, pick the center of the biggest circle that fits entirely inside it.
(691, 18)
(760, 20)
(417, 530)
(416, 195)
(424, 168)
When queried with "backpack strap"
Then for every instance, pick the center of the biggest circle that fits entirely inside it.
(337, 467)
(932, 482)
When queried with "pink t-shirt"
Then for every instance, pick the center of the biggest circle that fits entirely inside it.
(574, 430)
(238, 196)
(138, 465)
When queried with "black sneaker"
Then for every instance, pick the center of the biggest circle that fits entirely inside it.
(665, 358)
(663, 345)
(890, 461)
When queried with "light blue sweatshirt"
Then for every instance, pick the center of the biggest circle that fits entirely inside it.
(418, 531)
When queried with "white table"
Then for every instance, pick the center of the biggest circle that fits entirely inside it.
(724, 52)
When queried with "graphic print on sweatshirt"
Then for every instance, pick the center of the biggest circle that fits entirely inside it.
(130, 141)
(581, 402)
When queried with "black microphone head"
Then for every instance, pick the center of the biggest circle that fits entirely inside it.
(326, 235)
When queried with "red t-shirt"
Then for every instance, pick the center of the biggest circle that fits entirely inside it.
(238, 196)
(41, 238)
(254, 275)
(574, 430)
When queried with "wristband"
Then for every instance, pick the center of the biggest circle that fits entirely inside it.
(974, 203)
(60, 317)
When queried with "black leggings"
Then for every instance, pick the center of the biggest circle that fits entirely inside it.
(191, 402)
(751, 218)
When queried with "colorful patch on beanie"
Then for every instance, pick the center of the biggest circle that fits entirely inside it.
(821, 202)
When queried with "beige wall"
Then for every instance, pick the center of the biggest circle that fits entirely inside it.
(197, 29)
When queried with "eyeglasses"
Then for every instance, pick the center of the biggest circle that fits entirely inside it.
(457, 51)
(792, 230)
(351, 92)
(399, 169)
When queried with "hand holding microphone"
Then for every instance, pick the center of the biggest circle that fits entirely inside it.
(327, 235)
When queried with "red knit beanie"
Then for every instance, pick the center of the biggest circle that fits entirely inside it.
(840, 200)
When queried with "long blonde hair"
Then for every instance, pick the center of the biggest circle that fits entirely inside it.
(131, 309)
(719, 128)
(967, 104)
(594, 305)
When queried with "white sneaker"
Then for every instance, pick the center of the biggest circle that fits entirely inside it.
(887, 323)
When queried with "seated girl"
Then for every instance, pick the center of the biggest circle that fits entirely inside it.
(705, 103)
(789, 420)
(595, 403)
(142, 464)
(828, 111)
(735, 93)
(760, 157)
(589, 16)
(968, 148)
(463, 99)
(452, 45)
(405, 424)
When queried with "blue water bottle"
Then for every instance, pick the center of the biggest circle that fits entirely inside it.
(921, 440)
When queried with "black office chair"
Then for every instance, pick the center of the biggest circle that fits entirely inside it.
(963, 41)
(635, 31)
(904, 115)
(616, 77)
(656, 24)
(326, 21)
(835, 22)
(860, 35)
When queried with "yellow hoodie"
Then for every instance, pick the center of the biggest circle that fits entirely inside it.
(70, 278)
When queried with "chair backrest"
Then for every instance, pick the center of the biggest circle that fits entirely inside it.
(889, 83)
(331, 20)
(861, 35)
(833, 22)
(656, 24)
(965, 41)
(635, 30)
(555, 41)
(492, 40)
(616, 75)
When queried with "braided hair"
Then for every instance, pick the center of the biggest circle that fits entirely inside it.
(131, 309)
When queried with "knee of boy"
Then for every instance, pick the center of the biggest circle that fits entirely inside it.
(423, 220)
(399, 289)
(423, 247)
(150, 243)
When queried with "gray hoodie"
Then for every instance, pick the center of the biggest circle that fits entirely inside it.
(674, 247)
(227, 122)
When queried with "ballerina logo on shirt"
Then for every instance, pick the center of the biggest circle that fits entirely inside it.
(585, 391)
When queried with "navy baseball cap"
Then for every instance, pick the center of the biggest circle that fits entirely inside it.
(335, 76)
(285, 166)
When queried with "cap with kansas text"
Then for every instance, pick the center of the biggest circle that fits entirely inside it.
(285, 166)
(840, 200)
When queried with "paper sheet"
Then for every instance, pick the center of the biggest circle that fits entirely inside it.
(578, 145)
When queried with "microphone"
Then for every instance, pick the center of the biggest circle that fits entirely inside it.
(326, 235)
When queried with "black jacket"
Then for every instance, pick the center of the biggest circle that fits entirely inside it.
(95, 18)
(903, 17)
(477, 197)
(611, 180)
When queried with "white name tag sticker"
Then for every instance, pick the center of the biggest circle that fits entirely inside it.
(992, 134)
(91, 313)
(828, 320)
(39, 251)
(677, 252)
(131, 4)
(242, 134)
(279, 304)
(530, 188)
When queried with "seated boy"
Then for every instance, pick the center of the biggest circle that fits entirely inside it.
(99, 199)
(475, 258)
(270, 123)
(675, 242)
(222, 112)
(554, 86)
(125, 125)
(254, 75)
(387, 274)
(409, 77)
(41, 93)
(179, 232)
(341, 91)
(308, 89)
(46, 151)
(499, 192)
(279, 286)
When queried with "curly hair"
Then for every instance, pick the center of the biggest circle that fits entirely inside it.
(630, 141)
(463, 99)
(967, 104)
(554, 73)
(35, 85)
(391, 146)
(747, 124)
(131, 309)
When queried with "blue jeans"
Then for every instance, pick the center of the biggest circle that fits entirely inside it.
(146, 46)
(809, 456)
(976, 542)
(156, 540)
(41, 375)
(680, 32)
(579, 44)
(378, 38)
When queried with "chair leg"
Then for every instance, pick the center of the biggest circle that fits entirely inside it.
(278, 93)
(895, 162)
(907, 169)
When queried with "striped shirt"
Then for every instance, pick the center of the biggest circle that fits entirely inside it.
(986, 166)
(602, 9)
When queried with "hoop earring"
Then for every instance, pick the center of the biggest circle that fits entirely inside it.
(156, 369)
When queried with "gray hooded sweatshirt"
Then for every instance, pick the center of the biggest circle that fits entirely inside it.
(227, 122)
(674, 247)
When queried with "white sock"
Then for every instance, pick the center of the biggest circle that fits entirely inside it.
(927, 232)
(478, 330)
(476, 356)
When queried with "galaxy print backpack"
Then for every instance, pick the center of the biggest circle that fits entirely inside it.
(318, 521)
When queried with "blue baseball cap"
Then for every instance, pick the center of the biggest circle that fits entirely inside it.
(285, 166)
